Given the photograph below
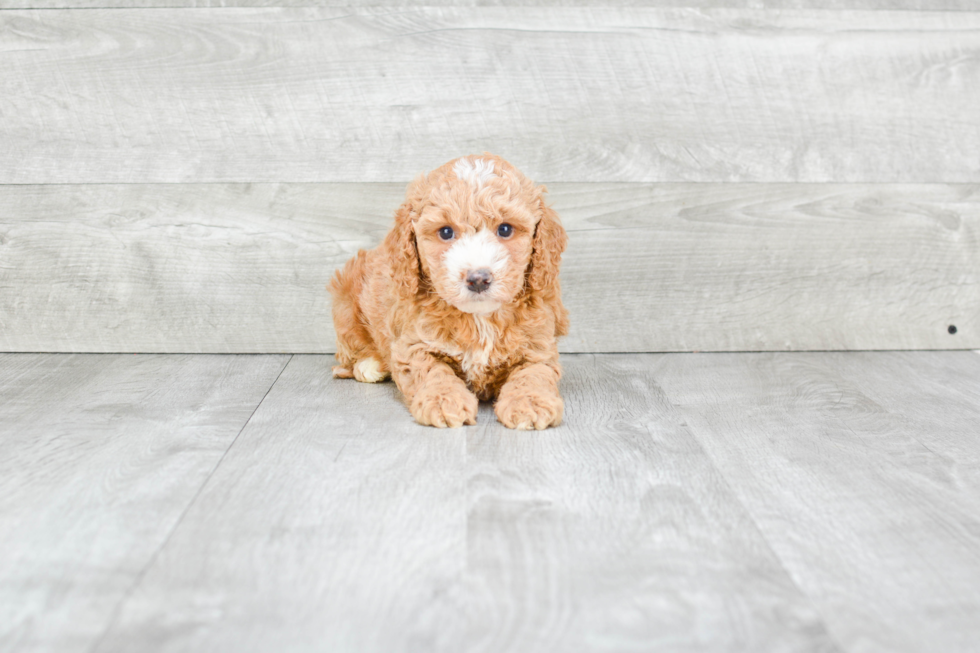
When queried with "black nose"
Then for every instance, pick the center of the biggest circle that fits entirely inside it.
(478, 280)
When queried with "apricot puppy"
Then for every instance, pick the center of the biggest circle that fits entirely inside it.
(461, 301)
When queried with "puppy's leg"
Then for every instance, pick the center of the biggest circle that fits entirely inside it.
(355, 348)
(435, 395)
(529, 399)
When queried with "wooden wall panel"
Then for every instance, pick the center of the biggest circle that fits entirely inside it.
(179, 268)
(906, 5)
(650, 267)
(599, 94)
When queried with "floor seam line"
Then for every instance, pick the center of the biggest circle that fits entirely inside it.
(762, 536)
(692, 432)
(173, 529)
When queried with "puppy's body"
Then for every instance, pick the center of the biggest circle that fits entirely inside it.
(476, 315)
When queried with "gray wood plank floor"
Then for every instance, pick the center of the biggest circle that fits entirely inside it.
(99, 458)
(709, 502)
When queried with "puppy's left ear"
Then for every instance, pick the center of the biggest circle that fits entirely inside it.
(550, 241)
(402, 248)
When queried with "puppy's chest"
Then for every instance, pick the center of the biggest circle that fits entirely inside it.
(479, 360)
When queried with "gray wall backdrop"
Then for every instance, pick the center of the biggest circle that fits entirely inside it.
(798, 174)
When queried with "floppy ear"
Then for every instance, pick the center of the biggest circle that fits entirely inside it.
(550, 240)
(401, 246)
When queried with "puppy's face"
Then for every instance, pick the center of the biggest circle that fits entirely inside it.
(475, 233)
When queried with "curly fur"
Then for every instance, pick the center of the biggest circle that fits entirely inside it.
(400, 310)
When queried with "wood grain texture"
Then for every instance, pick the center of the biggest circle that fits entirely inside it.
(189, 268)
(615, 532)
(946, 379)
(862, 5)
(772, 267)
(582, 94)
(650, 267)
(877, 527)
(99, 458)
(712, 502)
(336, 523)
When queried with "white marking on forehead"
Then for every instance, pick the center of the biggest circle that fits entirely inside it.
(475, 251)
(476, 172)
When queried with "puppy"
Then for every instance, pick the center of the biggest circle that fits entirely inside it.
(461, 301)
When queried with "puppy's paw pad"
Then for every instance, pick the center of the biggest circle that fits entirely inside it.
(529, 412)
(370, 370)
(341, 372)
(445, 407)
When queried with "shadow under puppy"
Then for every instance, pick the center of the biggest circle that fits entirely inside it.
(461, 301)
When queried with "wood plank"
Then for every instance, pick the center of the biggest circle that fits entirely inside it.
(947, 379)
(862, 5)
(582, 94)
(879, 530)
(189, 268)
(615, 532)
(722, 267)
(726, 267)
(336, 523)
(99, 458)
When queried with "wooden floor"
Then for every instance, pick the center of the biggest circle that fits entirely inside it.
(702, 502)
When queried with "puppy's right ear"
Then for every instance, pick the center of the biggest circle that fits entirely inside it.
(400, 242)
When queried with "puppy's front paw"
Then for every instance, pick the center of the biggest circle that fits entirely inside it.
(444, 404)
(529, 411)
(370, 370)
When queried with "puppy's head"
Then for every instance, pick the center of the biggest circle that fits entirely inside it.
(481, 232)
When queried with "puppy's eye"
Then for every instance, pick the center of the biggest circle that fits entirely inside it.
(505, 230)
(446, 233)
